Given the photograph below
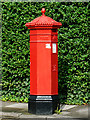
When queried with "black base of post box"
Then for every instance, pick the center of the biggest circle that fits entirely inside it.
(42, 105)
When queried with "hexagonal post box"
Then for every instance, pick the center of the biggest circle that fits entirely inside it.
(43, 64)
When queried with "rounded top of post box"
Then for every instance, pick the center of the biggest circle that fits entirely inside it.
(43, 21)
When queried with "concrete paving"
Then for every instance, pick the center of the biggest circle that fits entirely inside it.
(19, 111)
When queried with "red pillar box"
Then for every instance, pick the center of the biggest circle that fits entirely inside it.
(43, 64)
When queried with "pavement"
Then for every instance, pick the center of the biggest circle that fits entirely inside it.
(19, 111)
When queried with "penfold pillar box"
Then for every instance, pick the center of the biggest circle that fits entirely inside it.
(43, 65)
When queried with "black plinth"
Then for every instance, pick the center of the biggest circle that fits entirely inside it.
(42, 105)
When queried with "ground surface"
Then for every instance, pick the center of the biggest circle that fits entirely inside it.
(19, 111)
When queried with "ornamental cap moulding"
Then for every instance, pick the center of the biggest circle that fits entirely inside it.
(43, 21)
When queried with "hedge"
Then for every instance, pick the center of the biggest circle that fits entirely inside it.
(73, 49)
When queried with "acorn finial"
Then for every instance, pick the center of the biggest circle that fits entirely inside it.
(43, 11)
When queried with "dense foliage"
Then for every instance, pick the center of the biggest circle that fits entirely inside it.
(73, 49)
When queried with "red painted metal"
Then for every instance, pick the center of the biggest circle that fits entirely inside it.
(43, 55)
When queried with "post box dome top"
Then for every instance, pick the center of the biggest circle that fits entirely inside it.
(43, 21)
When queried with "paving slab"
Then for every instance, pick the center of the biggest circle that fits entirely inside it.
(11, 114)
(60, 118)
(80, 111)
(0, 106)
(43, 117)
(5, 103)
(66, 107)
(18, 105)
